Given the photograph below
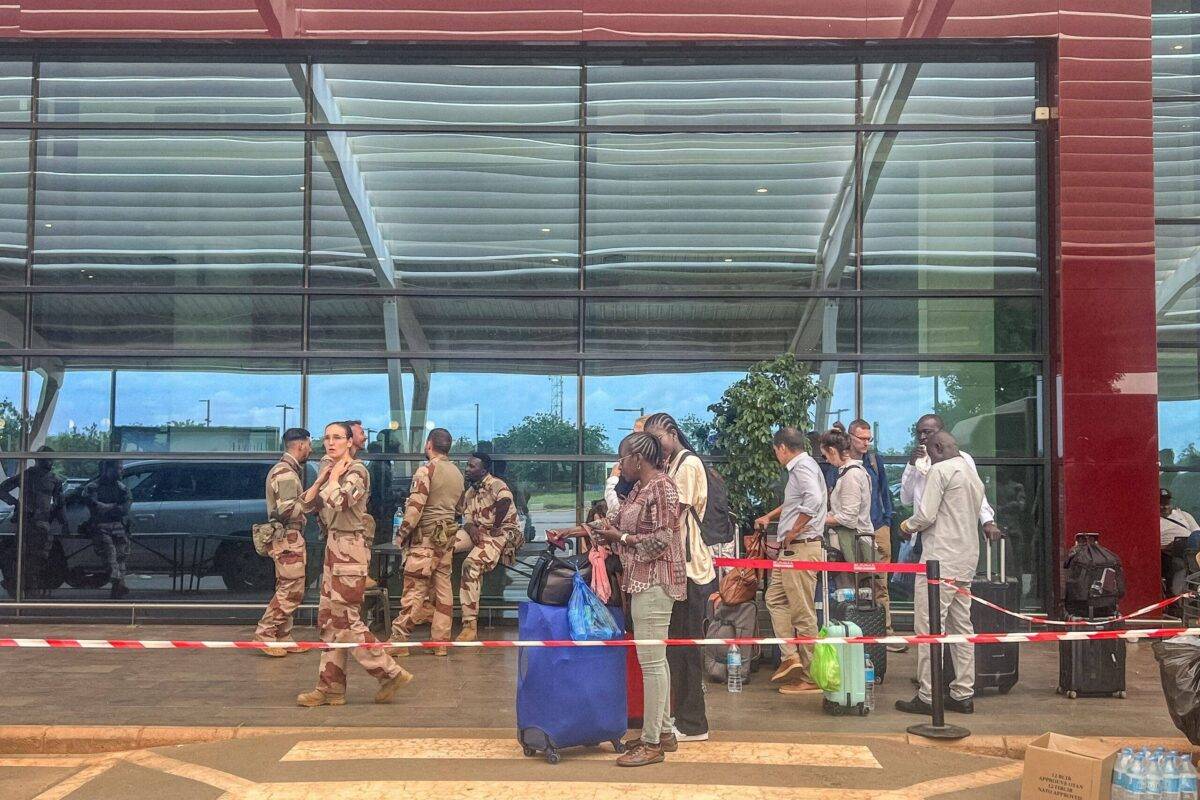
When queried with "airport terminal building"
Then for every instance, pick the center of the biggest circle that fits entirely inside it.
(531, 222)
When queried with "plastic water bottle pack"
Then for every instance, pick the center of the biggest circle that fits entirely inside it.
(1153, 775)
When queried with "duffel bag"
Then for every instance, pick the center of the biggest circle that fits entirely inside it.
(553, 577)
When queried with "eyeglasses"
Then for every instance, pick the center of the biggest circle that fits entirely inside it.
(867, 439)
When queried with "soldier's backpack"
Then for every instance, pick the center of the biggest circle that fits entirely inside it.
(718, 526)
(1095, 578)
(730, 622)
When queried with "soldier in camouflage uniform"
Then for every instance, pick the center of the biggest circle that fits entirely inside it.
(108, 501)
(428, 532)
(41, 505)
(285, 487)
(341, 494)
(490, 519)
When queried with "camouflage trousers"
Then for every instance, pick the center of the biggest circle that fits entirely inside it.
(289, 554)
(482, 559)
(426, 572)
(112, 545)
(347, 555)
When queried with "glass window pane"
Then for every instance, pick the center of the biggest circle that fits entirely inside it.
(14, 206)
(1184, 487)
(170, 92)
(175, 321)
(12, 320)
(720, 210)
(1176, 48)
(15, 82)
(446, 94)
(685, 92)
(511, 406)
(950, 211)
(445, 210)
(1179, 406)
(12, 414)
(1177, 259)
(185, 209)
(463, 324)
(960, 325)
(720, 326)
(133, 405)
(993, 409)
(617, 392)
(934, 93)
(1177, 160)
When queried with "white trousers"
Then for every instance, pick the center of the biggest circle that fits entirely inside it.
(956, 619)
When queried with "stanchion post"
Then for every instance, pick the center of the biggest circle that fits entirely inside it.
(937, 727)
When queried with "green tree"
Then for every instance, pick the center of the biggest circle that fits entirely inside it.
(546, 433)
(773, 394)
(698, 431)
(10, 426)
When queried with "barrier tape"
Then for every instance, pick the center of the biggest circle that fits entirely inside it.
(974, 638)
(819, 566)
(1039, 620)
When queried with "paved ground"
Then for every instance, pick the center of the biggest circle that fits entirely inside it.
(489, 765)
(474, 690)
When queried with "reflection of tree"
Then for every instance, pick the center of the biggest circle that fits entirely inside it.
(546, 433)
(10, 426)
(699, 432)
(463, 444)
(79, 440)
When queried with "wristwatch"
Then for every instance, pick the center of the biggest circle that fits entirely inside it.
(624, 536)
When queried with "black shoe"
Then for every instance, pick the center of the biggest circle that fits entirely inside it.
(966, 706)
(914, 706)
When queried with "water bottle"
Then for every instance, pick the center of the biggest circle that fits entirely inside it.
(1171, 775)
(1187, 779)
(1154, 778)
(869, 678)
(1120, 780)
(397, 521)
(733, 669)
(1135, 778)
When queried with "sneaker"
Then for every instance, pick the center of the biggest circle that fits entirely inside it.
(387, 688)
(667, 742)
(470, 631)
(789, 665)
(642, 755)
(318, 698)
(915, 706)
(680, 736)
(964, 706)
(801, 687)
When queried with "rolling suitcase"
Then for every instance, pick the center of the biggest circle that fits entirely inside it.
(996, 665)
(567, 696)
(1094, 668)
(851, 696)
(863, 611)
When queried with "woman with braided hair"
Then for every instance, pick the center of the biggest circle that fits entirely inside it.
(644, 533)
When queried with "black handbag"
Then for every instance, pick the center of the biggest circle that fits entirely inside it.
(553, 577)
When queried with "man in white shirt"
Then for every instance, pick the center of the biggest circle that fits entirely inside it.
(946, 517)
(1175, 527)
(912, 482)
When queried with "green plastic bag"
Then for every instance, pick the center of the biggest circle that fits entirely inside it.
(826, 668)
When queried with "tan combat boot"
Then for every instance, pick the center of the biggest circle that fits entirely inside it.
(318, 698)
(470, 631)
(274, 652)
(398, 652)
(387, 688)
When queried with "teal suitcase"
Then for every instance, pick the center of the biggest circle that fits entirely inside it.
(851, 698)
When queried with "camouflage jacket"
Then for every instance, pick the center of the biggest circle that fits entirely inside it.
(344, 503)
(437, 486)
(479, 507)
(284, 488)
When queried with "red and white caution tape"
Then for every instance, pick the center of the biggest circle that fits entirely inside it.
(975, 638)
(1039, 620)
(819, 566)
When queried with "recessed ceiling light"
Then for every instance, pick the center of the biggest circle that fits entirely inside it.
(545, 230)
(554, 260)
(48, 225)
(728, 260)
(761, 190)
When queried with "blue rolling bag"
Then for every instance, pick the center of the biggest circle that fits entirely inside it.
(567, 696)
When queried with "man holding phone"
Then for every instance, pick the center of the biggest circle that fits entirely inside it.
(912, 482)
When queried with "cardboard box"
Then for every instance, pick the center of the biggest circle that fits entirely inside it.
(1061, 767)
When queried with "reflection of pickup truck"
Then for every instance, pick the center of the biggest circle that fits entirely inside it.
(198, 514)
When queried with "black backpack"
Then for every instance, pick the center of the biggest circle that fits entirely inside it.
(1095, 579)
(718, 526)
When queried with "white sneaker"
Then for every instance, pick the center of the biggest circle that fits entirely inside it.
(691, 737)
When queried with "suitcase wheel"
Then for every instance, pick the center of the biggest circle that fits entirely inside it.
(1122, 694)
(552, 756)
(618, 746)
(863, 710)
(1071, 695)
(528, 751)
(1005, 688)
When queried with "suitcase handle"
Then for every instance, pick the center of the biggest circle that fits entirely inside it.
(1003, 569)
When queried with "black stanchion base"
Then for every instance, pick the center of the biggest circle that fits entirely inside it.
(931, 731)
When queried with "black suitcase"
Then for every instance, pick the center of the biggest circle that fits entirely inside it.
(1093, 668)
(997, 666)
(864, 611)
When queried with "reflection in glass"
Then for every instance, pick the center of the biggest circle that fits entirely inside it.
(1179, 406)
(516, 407)
(950, 211)
(445, 210)
(937, 93)
(684, 92)
(618, 392)
(720, 210)
(12, 415)
(1184, 487)
(464, 324)
(179, 209)
(962, 325)
(1177, 263)
(172, 91)
(1176, 48)
(15, 82)
(12, 321)
(1177, 160)
(720, 326)
(179, 321)
(134, 405)
(14, 206)
(992, 408)
(446, 94)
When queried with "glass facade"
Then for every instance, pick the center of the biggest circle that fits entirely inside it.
(1177, 245)
(531, 253)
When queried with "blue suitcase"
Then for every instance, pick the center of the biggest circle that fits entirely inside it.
(567, 696)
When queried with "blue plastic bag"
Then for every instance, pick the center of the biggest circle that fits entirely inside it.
(590, 619)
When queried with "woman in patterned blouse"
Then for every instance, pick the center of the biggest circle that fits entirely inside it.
(643, 532)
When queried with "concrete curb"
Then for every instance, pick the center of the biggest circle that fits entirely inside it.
(89, 739)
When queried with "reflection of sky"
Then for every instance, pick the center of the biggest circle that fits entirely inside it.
(1178, 424)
